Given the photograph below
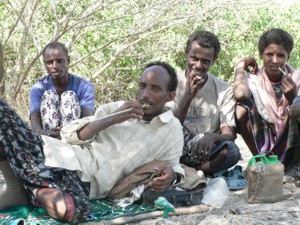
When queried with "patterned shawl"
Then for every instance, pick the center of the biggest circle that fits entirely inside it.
(265, 98)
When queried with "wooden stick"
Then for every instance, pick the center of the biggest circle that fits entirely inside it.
(179, 211)
(284, 73)
(116, 113)
(144, 105)
(120, 112)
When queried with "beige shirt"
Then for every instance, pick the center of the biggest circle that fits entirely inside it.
(212, 108)
(116, 151)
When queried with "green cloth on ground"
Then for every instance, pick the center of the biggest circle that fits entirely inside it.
(101, 210)
(162, 203)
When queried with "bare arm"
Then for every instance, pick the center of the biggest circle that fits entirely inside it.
(130, 109)
(183, 107)
(205, 144)
(36, 123)
(37, 127)
(164, 181)
(86, 112)
(241, 90)
(193, 84)
(228, 133)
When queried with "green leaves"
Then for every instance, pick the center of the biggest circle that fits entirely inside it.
(110, 41)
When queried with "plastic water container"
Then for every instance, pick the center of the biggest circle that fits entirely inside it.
(265, 179)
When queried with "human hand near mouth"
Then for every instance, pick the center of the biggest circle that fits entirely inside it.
(199, 75)
(248, 64)
(288, 88)
(145, 104)
(195, 81)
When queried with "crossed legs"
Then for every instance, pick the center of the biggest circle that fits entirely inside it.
(214, 163)
(223, 155)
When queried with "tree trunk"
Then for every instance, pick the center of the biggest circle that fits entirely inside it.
(2, 72)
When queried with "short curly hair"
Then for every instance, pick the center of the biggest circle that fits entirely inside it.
(278, 37)
(171, 71)
(205, 39)
(55, 45)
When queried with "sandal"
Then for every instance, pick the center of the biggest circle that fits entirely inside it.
(236, 179)
(222, 173)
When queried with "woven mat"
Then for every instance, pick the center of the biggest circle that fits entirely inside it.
(103, 212)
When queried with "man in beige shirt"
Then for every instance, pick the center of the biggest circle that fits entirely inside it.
(95, 152)
(205, 105)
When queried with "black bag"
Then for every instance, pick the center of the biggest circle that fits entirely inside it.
(175, 197)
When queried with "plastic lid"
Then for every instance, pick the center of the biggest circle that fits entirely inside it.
(273, 157)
